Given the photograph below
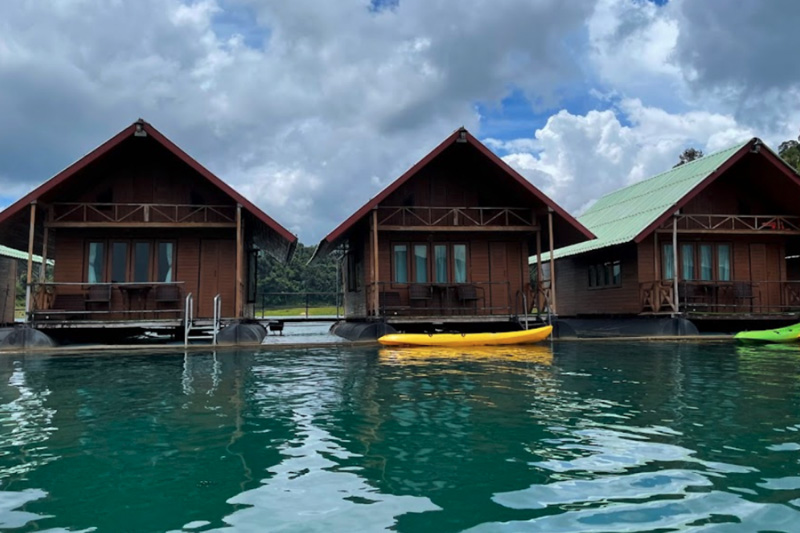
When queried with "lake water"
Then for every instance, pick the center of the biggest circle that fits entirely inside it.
(580, 437)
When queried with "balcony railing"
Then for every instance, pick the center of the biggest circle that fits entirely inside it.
(735, 223)
(720, 297)
(471, 217)
(106, 301)
(124, 213)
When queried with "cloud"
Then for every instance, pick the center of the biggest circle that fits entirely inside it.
(327, 96)
(578, 158)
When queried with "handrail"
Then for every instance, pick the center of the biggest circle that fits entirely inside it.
(456, 216)
(217, 319)
(188, 317)
(67, 212)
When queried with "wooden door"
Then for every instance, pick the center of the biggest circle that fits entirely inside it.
(217, 276)
(765, 274)
(498, 275)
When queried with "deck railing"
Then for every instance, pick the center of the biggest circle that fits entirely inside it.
(735, 223)
(429, 216)
(106, 301)
(720, 297)
(128, 213)
(445, 299)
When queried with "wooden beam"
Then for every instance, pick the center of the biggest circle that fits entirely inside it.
(374, 270)
(553, 309)
(238, 297)
(529, 229)
(29, 278)
(675, 266)
(115, 225)
(538, 271)
(43, 266)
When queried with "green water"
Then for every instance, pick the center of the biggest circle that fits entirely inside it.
(584, 438)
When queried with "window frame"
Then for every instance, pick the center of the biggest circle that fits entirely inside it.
(601, 274)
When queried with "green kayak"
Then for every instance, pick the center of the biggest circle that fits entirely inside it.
(780, 335)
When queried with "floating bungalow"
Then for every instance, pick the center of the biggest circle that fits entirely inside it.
(143, 238)
(447, 244)
(715, 239)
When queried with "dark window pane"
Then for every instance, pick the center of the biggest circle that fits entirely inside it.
(96, 259)
(617, 273)
(165, 261)
(141, 265)
(119, 262)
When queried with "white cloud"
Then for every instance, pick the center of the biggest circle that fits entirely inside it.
(578, 158)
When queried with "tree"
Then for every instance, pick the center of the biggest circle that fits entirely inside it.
(690, 154)
(790, 152)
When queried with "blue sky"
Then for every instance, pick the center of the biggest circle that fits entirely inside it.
(310, 107)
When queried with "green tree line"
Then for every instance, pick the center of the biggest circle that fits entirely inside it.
(298, 277)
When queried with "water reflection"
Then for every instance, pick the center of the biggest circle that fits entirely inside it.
(577, 437)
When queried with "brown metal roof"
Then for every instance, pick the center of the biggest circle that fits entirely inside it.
(257, 214)
(331, 240)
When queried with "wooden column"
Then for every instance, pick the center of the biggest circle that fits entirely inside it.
(375, 271)
(29, 279)
(539, 269)
(43, 266)
(552, 264)
(238, 297)
(675, 269)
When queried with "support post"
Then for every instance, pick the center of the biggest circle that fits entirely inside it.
(675, 269)
(43, 266)
(238, 296)
(375, 270)
(29, 279)
(538, 293)
(553, 308)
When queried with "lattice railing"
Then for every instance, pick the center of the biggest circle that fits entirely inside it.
(744, 223)
(455, 216)
(113, 213)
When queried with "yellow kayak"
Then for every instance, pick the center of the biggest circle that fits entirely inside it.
(466, 339)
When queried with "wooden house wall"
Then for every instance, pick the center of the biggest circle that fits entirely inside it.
(575, 297)
(8, 289)
(140, 171)
(492, 260)
(204, 264)
(356, 272)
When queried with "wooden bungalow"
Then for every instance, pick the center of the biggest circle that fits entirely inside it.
(717, 238)
(135, 227)
(448, 241)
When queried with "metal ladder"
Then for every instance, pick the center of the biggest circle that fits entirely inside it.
(191, 331)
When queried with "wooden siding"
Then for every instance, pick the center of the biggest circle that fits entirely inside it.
(8, 289)
(575, 297)
(508, 264)
(71, 256)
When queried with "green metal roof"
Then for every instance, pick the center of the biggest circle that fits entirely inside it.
(5, 251)
(620, 216)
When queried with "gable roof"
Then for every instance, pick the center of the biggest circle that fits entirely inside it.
(5, 251)
(630, 214)
(330, 242)
(263, 221)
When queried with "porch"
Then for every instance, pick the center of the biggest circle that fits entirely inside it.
(108, 304)
(734, 299)
(458, 302)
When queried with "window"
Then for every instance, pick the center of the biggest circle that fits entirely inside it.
(400, 263)
(460, 263)
(699, 261)
(119, 262)
(440, 263)
(141, 262)
(165, 261)
(97, 257)
(421, 263)
(706, 262)
(724, 262)
(667, 262)
(606, 274)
